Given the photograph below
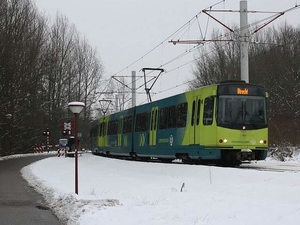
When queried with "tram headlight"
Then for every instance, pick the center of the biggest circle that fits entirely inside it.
(223, 141)
(263, 141)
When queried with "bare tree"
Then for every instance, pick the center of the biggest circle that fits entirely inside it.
(217, 63)
(88, 71)
(43, 66)
(22, 35)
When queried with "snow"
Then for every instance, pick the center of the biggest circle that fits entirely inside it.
(114, 192)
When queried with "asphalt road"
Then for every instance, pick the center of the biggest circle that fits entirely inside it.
(19, 203)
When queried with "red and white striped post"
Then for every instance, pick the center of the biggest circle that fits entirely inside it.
(76, 108)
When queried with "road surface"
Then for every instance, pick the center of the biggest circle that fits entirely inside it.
(19, 203)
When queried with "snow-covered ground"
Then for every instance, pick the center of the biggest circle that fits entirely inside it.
(114, 192)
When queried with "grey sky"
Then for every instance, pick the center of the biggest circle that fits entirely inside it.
(125, 30)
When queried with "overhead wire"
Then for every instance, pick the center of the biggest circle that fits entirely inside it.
(175, 32)
(151, 50)
(202, 36)
(191, 21)
(184, 30)
(206, 26)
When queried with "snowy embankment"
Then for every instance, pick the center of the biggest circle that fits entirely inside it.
(115, 191)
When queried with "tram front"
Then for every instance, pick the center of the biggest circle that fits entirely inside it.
(242, 128)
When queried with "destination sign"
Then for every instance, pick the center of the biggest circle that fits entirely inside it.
(241, 89)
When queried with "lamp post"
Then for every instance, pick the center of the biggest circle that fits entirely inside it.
(76, 108)
(9, 117)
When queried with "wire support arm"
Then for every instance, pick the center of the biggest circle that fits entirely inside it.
(198, 42)
(155, 79)
(206, 12)
(114, 77)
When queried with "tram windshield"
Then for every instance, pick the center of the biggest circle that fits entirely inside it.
(236, 111)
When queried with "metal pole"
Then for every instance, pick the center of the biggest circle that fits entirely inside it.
(133, 79)
(10, 142)
(76, 153)
(117, 103)
(244, 41)
(76, 108)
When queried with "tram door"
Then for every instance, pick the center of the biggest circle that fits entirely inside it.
(120, 131)
(195, 121)
(153, 126)
(102, 133)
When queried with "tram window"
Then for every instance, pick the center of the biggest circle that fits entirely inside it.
(115, 127)
(96, 131)
(141, 122)
(127, 124)
(172, 117)
(104, 128)
(109, 127)
(101, 130)
(152, 120)
(208, 111)
(198, 111)
(163, 115)
(112, 127)
(193, 113)
(182, 114)
(93, 132)
(155, 119)
(120, 123)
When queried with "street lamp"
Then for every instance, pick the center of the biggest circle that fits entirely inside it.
(9, 117)
(76, 108)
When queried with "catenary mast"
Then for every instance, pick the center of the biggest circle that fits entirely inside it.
(243, 35)
(244, 41)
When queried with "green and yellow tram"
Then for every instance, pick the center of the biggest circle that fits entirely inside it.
(224, 123)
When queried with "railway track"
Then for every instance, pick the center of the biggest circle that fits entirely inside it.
(292, 166)
(275, 166)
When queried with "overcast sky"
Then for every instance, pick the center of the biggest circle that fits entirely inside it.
(123, 31)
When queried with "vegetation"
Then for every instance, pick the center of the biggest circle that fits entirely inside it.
(46, 64)
(43, 66)
(274, 62)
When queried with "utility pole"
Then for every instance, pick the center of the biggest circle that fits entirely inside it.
(244, 41)
(117, 99)
(133, 88)
(243, 35)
